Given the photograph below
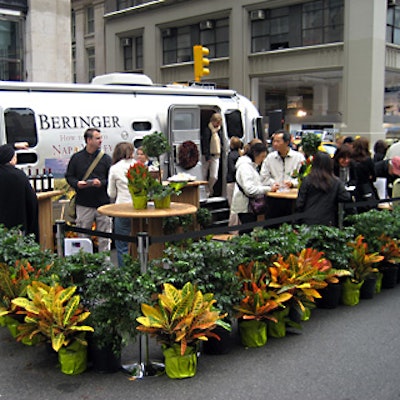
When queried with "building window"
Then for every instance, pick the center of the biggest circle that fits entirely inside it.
(322, 22)
(314, 22)
(393, 25)
(91, 63)
(216, 39)
(11, 55)
(132, 53)
(178, 42)
(118, 5)
(90, 20)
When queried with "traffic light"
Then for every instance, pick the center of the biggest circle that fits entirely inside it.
(200, 62)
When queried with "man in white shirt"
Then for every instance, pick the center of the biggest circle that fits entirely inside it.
(278, 167)
(277, 170)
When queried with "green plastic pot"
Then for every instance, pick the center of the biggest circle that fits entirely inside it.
(73, 358)
(179, 366)
(253, 333)
(351, 292)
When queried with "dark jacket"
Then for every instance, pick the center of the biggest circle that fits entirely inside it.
(321, 208)
(78, 164)
(18, 201)
(366, 177)
(232, 158)
(205, 142)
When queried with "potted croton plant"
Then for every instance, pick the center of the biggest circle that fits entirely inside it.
(180, 319)
(389, 266)
(139, 181)
(55, 313)
(361, 263)
(258, 304)
(303, 275)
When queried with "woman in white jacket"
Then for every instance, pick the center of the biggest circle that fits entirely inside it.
(118, 191)
(249, 180)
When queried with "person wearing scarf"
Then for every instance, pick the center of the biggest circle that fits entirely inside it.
(211, 151)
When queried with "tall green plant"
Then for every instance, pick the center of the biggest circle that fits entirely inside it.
(154, 145)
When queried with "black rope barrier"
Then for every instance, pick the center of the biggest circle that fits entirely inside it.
(292, 218)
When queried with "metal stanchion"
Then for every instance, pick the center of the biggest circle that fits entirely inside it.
(340, 215)
(146, 367)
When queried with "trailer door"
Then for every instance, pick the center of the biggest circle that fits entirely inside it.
(184, 125)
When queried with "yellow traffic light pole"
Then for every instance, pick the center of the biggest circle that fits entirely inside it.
(200, 62)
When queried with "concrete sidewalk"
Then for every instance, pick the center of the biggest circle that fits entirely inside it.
(342, 354)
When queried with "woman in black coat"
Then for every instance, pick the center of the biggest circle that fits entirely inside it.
(365, 170)
(320, 193)
(18, 200)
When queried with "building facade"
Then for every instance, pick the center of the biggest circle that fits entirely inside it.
(35, 40)
(325, 63)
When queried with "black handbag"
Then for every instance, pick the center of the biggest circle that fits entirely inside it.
(257, 204)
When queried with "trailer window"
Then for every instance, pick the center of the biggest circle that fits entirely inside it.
(141, 126)
(234, 124)
(185, 120)
(20, 126)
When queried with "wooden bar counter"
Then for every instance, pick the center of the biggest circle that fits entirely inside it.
(190, 193)
(148, 220)
(46, 218)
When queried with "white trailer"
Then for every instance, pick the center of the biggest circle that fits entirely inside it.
(125, 107)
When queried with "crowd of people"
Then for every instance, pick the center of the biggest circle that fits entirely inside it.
(348, 177)
(253, 170)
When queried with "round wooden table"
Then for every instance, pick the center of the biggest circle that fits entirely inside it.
(290, 194)
(148, 220)
(282, 204)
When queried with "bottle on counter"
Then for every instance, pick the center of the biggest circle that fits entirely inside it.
(31, 179)
(38, 181)
(45, 181)
(50, 178)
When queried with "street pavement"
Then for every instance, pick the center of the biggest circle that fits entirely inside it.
(341, 354)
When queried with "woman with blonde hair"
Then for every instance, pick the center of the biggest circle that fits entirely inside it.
(118, 191)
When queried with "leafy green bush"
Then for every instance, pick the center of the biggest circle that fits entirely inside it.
(14, 247)
(332, 242)
(211, 265)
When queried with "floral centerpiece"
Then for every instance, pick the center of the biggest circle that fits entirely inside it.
(310, 143)
(139, 182)
(304, 170)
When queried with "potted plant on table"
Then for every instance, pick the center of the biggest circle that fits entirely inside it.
(139, 182)
(161, 193)
(180, 319)
(56, 314)
(154, 145)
